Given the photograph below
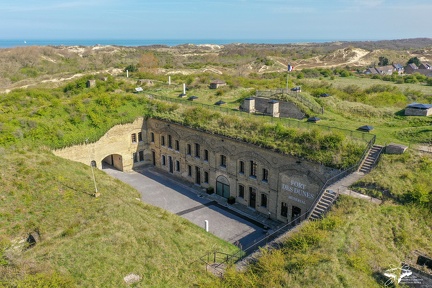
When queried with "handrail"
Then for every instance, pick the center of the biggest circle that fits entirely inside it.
(341, 175)
(241, 254)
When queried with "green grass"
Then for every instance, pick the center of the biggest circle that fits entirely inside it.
(364, 83)
(87, 241)
(91, 241)
(350, 247)
(403, 178)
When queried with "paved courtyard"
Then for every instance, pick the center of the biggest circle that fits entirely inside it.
(188, 201)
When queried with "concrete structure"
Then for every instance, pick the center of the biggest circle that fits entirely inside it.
(417, 109)
(216, 84)
(273, 108)
(91, 83)
(280, 186)
(285, 108)
(248, 105)
(393, 148)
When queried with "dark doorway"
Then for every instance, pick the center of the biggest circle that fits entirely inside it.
(197, 175)
(284, 210)
(171, 164)
(296, 212)
(154, 158)
(252, 198)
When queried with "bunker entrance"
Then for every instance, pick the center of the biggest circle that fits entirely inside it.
(113, 160)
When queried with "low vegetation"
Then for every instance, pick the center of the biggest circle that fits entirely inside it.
(403, 178)
(86, 241)
(351, 247)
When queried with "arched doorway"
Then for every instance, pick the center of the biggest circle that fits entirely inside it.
(113, 160)
(222, 186)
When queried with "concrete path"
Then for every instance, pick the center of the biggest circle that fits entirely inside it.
(190, 202)
(341, 187)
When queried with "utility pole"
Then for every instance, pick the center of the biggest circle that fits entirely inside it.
(96, 194)
(289, 69)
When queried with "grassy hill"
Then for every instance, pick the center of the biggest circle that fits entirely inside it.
(87, 241)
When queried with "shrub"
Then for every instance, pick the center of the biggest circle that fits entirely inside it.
(231, 200)
(210, 190)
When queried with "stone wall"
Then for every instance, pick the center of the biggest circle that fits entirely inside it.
(116, 147)
(418, 112)
(277, 179)
(279, 186)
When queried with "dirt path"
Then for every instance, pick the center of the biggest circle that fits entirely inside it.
(111, 71)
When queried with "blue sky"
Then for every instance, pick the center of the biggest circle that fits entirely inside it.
(216, 19)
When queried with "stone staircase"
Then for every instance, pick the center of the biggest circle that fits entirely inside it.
(331, 192)
(326, 201)
(371, 159)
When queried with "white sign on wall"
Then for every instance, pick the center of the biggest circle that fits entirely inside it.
(298, 188)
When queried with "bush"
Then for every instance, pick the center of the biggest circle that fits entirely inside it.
(231, 200)
(210, 190)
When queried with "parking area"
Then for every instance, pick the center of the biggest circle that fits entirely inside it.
(186, 200)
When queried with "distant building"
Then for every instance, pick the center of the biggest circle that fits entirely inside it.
(385, 70)
(411, 68)
(398, 68)
(371, 71)
(426, 72)
(417, 109)
(425, 66)
(216, 84)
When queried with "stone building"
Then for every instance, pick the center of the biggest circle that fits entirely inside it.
(418, 109)
(279, 186)
(216, 84)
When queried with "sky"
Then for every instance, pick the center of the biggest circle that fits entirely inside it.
(216, 19)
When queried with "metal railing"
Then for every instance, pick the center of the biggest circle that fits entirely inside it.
(341, 175)
(288, 122)
(217, 260)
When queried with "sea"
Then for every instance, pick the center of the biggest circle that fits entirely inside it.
(10, 43)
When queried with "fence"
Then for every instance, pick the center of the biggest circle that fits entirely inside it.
(292, 123)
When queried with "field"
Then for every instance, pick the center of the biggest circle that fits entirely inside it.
(95, 242)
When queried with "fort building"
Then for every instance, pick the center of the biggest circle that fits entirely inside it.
(280, 186)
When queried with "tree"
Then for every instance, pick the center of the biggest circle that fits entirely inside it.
(148, 62)
(383, 61)
(414, 60)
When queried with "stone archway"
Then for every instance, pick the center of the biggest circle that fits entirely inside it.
(222, 186)
(113, 160)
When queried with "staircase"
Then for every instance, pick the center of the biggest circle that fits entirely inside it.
(324, 203)
(371, 159)
(331, 192)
